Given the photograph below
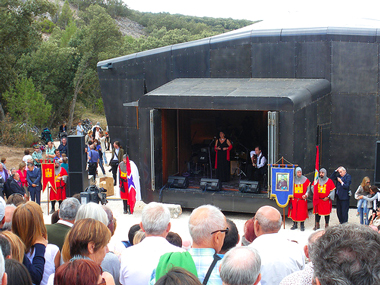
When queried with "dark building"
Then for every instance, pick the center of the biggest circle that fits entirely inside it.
(284, 89)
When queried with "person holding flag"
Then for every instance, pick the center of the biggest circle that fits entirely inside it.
(129, 183)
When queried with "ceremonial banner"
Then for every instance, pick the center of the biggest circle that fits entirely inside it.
(316, 172)
(48, 176)
(282, 185)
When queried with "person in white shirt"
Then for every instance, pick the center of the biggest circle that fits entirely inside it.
(139, 261)
(258, 167)
(27, 156)
(279, 256)
(80, 129)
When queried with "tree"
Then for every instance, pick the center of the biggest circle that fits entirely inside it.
(52, 69)
(27, 105)
(66, 16)
(18, 35)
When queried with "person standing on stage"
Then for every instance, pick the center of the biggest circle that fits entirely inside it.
(259, 165)
(222, 158)
(116, 158)
(343, 193)
(59, 194)
(129, 183)
(298, 211)
(323, 194)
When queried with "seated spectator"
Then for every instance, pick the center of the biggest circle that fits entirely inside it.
(231, 239)
(65, 163)
(9, 210)
(79, 272)
(67, 213)
(16, 199)
(305, 276)
(57, 155)
(155, 222)
(17, 273)
(2, 216)
(110, 263)
(3, 275)
(15, 186)
(174, 239)
(178, 276)
(63, 146)
(347, 254)
(17, 246)
(208, 227)
(277, 253)
(5, 246)
(54, 218)
(131, 235)
(28, 224)
(87, 239)
(241, 265)
(139, 237)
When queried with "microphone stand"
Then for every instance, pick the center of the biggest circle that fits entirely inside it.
(209, 155)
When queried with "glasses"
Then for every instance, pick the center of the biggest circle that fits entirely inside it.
(222, 231)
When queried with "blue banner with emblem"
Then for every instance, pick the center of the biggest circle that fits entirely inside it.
(282, 185)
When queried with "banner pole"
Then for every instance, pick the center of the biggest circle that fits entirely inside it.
(283, 220)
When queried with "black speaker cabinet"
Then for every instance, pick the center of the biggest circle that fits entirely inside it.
(377, 164)
(78, 175)
(210, 184)
(76, 153)
(178, 182)
(249, 186)
(78, 182)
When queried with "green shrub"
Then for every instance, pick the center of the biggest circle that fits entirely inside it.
(47, 26)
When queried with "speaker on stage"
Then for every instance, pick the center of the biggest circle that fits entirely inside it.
(210, 184)
(249, 186)
(78, 176)
(178, 182)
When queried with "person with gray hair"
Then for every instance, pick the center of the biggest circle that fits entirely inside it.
(208, 227)
(9, 210)
(139, 261)
(347, 254)
(304, 277)
(93, 211)
(342, 181)
(67, 213)
(241, 265)
(279, 256)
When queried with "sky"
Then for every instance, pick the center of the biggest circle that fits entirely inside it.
(267, 10)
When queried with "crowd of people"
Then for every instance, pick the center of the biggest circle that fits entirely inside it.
(74, 249)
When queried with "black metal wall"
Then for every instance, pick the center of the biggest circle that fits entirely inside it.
(348, 117)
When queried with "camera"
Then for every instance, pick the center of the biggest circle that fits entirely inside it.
(94, 194)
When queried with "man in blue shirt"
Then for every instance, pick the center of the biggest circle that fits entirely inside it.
(93, 160)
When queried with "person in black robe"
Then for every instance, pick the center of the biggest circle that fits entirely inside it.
(222, 158)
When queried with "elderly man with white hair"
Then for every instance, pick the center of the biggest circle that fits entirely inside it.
(208, 227)
(279, 256)
(241, 265)
(139, 261)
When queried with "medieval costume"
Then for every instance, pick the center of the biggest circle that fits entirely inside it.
(59, 193)
(129, 183)
(298, 211)
(323, 189)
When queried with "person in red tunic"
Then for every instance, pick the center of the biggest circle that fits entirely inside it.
(59, 193)
(298, 211)
(323, 194)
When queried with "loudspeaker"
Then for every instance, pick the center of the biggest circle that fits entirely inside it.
(249, 186)
(210, 184)
(178, 182)
(78, 182)
(76, 153)
(78, 175)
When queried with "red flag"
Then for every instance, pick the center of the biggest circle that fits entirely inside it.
(316, 173)
(48, 176)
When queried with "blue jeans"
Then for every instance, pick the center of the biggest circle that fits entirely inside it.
(105, 158)
(363, 221)
(363, 203)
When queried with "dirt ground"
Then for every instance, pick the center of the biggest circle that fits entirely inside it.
(13, 155)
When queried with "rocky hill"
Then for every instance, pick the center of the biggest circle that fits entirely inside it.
(126, 26)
